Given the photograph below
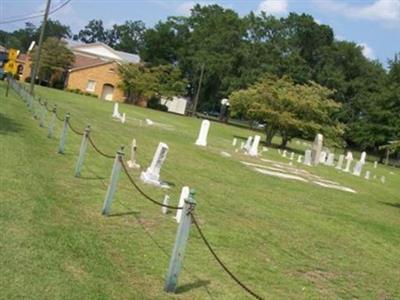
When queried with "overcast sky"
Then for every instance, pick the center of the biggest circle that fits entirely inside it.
(374, 24)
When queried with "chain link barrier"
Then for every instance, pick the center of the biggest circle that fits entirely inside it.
(142, 192)
(229, 272)
(98, 150)
(74, 130)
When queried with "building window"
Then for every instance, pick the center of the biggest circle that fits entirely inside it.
(91, 85)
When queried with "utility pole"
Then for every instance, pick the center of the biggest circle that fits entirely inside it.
(35, 68)
(196, 99)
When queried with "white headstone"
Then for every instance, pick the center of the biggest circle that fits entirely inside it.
(290, 163)
(330, 161)
(316, 149)
(291, 156)
(184, 195)
(241, 145)
(234, 141)
(164, 209)
(254, 146)
(284, 153)
(299, 158)
(247, 145)
(375, 164)
(367, 174)
(358, 168)
(349, 159)
(340, 162)
(132, 162)
(383, 179)
(202, 139)
(307, 157)
(149, 122)
(363, 157)
(322, 157)
(152, 174)
(116, 113)
(123, 118)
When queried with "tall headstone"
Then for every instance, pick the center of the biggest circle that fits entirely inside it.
(291, 156)
(307, 157)
(358, 168)
(234, 141)
(330, 161)
(152, 174)
(340, 162)
(247, 145)
(375, 164)
(299, 158)
(254, 146)
(184, 195)
(116, 113)
(349, 159)
(363, 157)
(123, 118)
(202, 138)
(316, 149)
(367, 174)
(284, 153)
(132, 162)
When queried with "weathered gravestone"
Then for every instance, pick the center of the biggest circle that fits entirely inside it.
(116, 113)
(358, 168)
(322, 157)
(132, 162)
(234, 141)
(247, 145)
(375, 164)
(316, 149)
(307, 157)
(152, 174)
(284, 153)
(202, 138)
(367, 174)
(254, 146)
(299, 158)
(330, 161)
(291, 156)
(349, 159)
(340, 162)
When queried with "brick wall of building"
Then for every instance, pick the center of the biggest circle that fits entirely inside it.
(102, 74)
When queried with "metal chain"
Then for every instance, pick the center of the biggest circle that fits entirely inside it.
(58, 118)
(74, 130)
(141, 191)
(98, 150)
(247, 289)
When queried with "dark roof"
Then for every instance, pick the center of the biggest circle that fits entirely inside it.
(84, 61)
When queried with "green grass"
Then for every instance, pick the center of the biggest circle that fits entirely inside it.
(284, 239)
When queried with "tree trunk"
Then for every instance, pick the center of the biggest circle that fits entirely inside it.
(270, 133)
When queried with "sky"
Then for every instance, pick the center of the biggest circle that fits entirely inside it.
(373, 24)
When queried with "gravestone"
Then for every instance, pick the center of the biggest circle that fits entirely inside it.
(322, 157)
(383, 179)
(234, 141)
(149, 122)
(375, 164)
(241, 145)
(363, 157)
(330, 160)
(116, 113)
(316, 149)
(123, 118)
(307, 157)
(152, 174)
(254, 146)
(367, 174)
(340, 162)
(184, 195)
(132, 162)
(299, 158)
(291, 156)
(349, 159)
(284, 153)
(247, 145)
(358, 168)
(202, 138)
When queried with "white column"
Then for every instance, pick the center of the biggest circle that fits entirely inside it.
(184, 195)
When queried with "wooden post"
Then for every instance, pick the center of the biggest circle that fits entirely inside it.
(178, 252)
(112, 186)
(61, 146)
(82, 151)
(52, 123)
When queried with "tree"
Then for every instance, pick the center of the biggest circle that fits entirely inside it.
(93, 32)
(55, 60)
(54, 29)
(129, 36)
(291, 109)
(142, 83)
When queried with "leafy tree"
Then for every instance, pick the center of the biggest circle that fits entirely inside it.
(93, 32)
(288, 108)
(55, 60)
(129, 36)
(142, 83)
(54, 29)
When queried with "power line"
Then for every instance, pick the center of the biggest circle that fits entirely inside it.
(36, 15)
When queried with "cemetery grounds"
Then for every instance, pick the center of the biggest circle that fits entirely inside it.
(285, 239)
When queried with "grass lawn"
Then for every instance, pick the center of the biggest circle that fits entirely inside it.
(284, 239)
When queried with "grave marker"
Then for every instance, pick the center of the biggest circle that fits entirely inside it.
(340, 162)
(316, 149)
(202, 138)
(152, 174)
(254, 146)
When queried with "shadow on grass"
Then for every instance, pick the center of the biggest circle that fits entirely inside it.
(8, 125)
(396, 205)
(92, 178)
(190, 286)
(128, 213)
